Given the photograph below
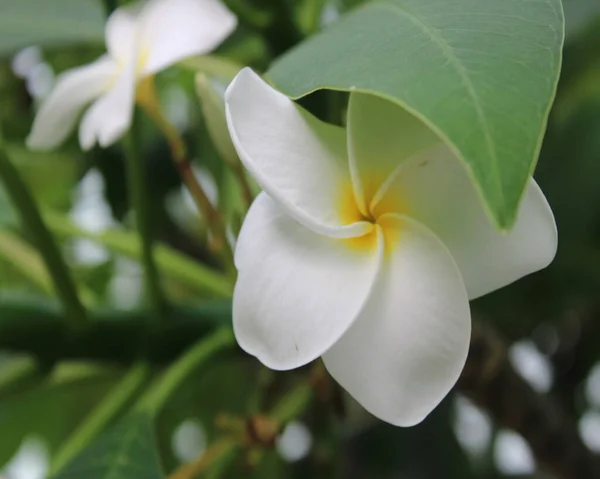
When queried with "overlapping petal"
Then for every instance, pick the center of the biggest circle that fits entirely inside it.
(74, 89)
(435, 189)
(110, 116)
(297, 291)
(298, 160)
(408, 346)
(171, 30)
(381, 136)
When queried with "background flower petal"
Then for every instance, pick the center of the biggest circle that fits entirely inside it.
(407, 348)
(110, 116)
(297, 292)
(298, 160)
(74, 89)
(171, 30)
(436, 190)
(121, 31)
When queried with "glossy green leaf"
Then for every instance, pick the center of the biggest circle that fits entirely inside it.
(126, 450)
(49, 22)
(481, 74)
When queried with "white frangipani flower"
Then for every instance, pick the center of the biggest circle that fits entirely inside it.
(141, 39)
(365, 248)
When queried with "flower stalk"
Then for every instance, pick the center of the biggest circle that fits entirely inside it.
(198, 354)
(140, 200)
(213, 455)
(148, 101)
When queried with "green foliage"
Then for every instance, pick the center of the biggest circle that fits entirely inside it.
(50, 22)
(49, 411)
(481, 74)
(125, 451)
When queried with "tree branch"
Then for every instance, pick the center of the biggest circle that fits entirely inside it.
(38, 328)
(490, 381)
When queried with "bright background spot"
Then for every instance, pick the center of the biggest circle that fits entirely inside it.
(589, 430)
(532, 365)
(295, 442)
(472, 426)
(592, 386)
(92, 213)
(30, 462)
(189, 440)
(512, 454)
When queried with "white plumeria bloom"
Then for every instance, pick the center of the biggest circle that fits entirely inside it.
(141, 39)
(365, 248)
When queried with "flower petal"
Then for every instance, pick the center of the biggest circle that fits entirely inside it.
(298, 160)
(436, 190)
(171, 30)
(110, 116)
(297, 292)
(407, 348)
(121, 31)
(74, 89)
(381, 135)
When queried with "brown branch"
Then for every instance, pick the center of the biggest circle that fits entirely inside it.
(490, 381)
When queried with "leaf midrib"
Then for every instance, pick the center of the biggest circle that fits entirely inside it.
(454, 60)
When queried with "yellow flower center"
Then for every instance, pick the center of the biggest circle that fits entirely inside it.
(350, 213)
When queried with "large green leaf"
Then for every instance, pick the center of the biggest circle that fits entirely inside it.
(49, 22)
(125, 451)
(50, 411)
(481, 73)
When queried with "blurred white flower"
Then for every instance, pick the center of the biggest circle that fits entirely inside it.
(40, 80)
(141, 39)
(25, 60)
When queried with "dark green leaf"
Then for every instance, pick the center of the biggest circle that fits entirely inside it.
(50, 411)
(127, 450)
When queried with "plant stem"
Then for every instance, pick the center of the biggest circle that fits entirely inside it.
(140, 199)
(32, 221)
(111, 336)
(288, 408)
(147, 99)
(292, 404)
(19, 376)
(212, 455)
(171, 262)
(28, 261)
(100, 417)
(201, 352)
(240, 176)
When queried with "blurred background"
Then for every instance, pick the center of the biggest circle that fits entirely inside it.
(549, 323)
